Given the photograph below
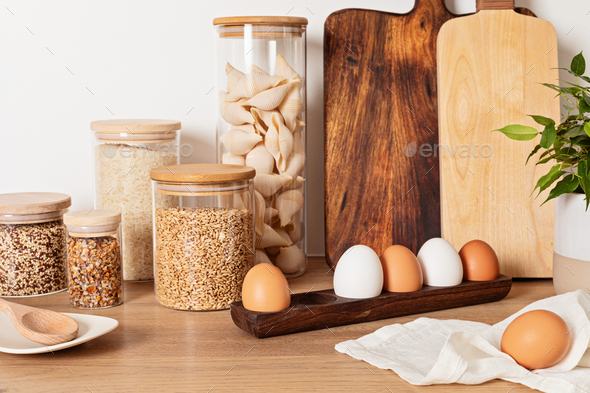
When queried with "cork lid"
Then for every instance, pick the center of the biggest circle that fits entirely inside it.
(24, 203)
(92, 218)
(202, 173)
(135, 126)
(260, 20)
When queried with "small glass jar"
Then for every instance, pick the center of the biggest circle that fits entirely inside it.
(261, 77)
(32, 243)
(124, 153)
(94, 258)
(204, 239)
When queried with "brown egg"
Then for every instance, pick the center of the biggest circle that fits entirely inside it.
(480, 262)
(536, 339)
(265, 289)
(401, 270)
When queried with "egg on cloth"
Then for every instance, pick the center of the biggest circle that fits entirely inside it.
(358, 274)
(440, 263)
(401, 270)
(265, 289)
(480, 262)
(536, 339)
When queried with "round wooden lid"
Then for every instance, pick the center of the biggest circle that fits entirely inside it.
(260, 20)
(33, 202)
(202, 173)
(92, 218)
(135, 126)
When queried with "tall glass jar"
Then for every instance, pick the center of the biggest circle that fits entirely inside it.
(261, 76)
(124, 153)
(94, 258)
(32, 243)
(204, 238)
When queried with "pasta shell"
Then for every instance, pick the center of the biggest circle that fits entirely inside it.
(261, 257)
(290, 259)
(284, 69)
(254, 68)
(263, 118)
(273, 251)
(296, 183)
(260, 159)
(270, 238)
(248, 128)
(289, 203)
(239, 142)
(280, 142)
(283, 233)
(296, 162)
(233, 77)
(259, 213)
(267, 185)
(294, 229)
(269, 213)
(291, 105)
(229, 158)
(252, 84)
(233, 112)
(269, 99)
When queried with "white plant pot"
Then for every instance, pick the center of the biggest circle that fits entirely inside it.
(571, 248)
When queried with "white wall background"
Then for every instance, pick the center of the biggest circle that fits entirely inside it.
(65, 63)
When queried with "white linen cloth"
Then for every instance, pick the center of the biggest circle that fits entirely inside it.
(429, 351)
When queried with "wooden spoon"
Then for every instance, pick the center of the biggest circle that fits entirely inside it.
(42, 326)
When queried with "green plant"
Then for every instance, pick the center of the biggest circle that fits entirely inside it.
(567, 143)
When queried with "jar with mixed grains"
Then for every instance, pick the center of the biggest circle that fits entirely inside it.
(32, 243)
(94, 258)
(204, 235)
(124, 153)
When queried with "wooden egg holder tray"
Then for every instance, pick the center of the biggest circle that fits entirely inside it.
(324, 309)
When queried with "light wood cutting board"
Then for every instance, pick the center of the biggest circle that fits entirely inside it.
(490, 66)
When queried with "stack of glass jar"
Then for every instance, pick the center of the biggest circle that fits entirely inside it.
(261, 67)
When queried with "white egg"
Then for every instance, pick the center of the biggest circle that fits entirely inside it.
(359, 274)
(441, 264)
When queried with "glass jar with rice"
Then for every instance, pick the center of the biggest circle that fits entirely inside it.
(124, 153)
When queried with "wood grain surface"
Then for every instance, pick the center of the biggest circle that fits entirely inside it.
(324, 309)
(380, 107)
(161, 350)
(490, 66)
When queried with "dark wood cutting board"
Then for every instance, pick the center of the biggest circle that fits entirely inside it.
(380, 109)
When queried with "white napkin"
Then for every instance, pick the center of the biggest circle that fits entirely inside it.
(429, 351)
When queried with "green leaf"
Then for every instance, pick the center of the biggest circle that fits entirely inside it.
(565, 186)
(585, 78)
(518, 132)
(586, 97)
(542, 120)
(587, 129)
(582, 141)
(546, 160)
(583, 106)
(584, 179)
(548, 137)
(548, 179)
(578, 65)
(535, 150)
(574, 132)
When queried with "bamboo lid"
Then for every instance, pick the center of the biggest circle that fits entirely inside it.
(260, 20)
(92, 218)
(202, 173)
(135, 126)
(21, 203)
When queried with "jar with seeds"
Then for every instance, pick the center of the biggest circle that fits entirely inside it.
(204, 242)
(124, 153)
(32, 243)
(94, 258)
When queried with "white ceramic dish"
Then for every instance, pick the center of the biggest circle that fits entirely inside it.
(91, 327)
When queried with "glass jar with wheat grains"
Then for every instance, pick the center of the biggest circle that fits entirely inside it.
(204, 235)
(124, 153)
(261, 77)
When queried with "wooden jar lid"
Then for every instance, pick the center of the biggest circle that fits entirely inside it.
(22, 203)
(92, 218)
(202, 173)
(260, 20)
(135, 126)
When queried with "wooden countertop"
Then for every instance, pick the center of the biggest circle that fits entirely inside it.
(162, 350)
